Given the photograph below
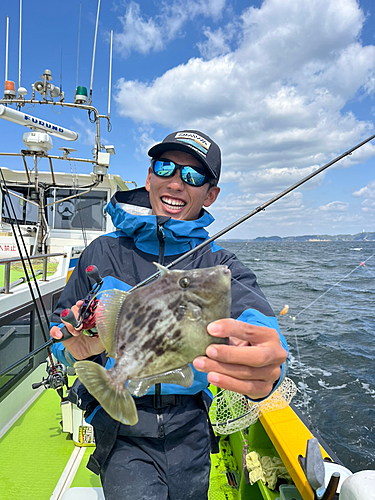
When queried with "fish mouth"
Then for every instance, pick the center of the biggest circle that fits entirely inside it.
(173, 205)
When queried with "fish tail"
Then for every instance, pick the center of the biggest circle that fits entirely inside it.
(115, 400)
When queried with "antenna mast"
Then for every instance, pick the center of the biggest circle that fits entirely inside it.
(19, 47)
(79, 36)
(6, 49)
(93, 53)
(110, 76)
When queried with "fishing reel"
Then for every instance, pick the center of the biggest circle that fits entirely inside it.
(86, 314)
(57, 378)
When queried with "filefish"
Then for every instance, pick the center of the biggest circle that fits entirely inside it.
(154, 333)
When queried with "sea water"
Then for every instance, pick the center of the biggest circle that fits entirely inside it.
(330, 329)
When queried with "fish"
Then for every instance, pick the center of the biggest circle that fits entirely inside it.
(154, 333)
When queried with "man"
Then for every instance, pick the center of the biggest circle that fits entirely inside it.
(166, 454)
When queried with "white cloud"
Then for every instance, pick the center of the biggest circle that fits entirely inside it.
(273, 88)
(247, 202)
(273, 104)
(144, 140)
(367, 191)
(334, 206)
(368, 205)
(87, 133)
(145, 34)
(218, 41)
(139, 33)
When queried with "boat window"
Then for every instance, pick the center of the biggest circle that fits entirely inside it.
(86, 211)
(15, 343)
(26, 213)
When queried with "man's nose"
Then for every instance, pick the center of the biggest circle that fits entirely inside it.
(175, 182)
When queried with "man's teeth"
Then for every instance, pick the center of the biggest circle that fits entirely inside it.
(173, 203)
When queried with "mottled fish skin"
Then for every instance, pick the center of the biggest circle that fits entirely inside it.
(159, 328)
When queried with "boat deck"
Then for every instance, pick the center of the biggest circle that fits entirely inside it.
(41, 462)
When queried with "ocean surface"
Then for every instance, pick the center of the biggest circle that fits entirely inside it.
(330, 329)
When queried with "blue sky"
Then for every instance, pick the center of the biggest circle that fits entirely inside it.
(283, 86)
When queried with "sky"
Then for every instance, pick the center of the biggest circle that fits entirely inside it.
(283, 86)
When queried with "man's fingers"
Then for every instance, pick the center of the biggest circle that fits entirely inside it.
(55, 332)
(229, 327)
(254, 356)
(255, 389)
(241, 372)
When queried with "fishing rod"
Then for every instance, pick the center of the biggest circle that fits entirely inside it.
(70, 319)
(68, 316)
(56, 371)
(260, 208)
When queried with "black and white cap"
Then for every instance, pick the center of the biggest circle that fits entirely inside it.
(195, 143)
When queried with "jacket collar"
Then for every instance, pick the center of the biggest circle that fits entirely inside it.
(131, 214)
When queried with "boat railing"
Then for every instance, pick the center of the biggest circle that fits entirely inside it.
(8, 262)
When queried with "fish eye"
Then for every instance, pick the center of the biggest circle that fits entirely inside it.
(184, 282)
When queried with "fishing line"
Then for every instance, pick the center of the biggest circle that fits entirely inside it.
(6, 191)
(75, 185)
(367, 270)
(330, 288)
(22, 258)
(304, 385)
(260, 208)
(251, 290)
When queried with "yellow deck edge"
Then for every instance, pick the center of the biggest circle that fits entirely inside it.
(289, 436)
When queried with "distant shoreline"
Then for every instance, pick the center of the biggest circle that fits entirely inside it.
(355, 238)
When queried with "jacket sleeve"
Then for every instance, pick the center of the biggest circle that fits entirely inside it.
(77, 287)
(250, 305)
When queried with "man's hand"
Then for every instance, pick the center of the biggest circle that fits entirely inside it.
(80, 346)
(249, 365)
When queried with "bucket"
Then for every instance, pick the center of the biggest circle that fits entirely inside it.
(289, 492)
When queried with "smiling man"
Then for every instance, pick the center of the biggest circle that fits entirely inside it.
(179, 195)
(166, 455)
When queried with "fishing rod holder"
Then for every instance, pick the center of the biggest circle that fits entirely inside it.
(314, 469)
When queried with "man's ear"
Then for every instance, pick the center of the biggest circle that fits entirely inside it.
(212, 194)
(148, 180)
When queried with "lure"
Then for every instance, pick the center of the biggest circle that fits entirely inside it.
(284, 310)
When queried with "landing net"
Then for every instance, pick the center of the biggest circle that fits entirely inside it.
(231, 412)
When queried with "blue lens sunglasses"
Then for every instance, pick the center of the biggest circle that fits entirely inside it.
(189, 175)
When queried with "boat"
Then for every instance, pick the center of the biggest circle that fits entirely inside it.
(47, 217)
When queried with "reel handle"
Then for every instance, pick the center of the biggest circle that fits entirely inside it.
(92, 272)
(38, 384)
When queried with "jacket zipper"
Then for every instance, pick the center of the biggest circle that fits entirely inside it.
(161, 238)
(157, 397)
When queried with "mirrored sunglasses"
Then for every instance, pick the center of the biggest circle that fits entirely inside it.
(190, 175)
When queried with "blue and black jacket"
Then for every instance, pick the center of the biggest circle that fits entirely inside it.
(125, 257)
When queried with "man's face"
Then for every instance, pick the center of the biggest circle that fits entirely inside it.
(172, 197)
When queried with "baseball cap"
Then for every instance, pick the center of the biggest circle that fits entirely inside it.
(195, 143)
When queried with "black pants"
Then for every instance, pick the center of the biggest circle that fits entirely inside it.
(166, 456)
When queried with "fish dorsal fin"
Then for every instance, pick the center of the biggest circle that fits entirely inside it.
(107, 314)
(162, 269)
